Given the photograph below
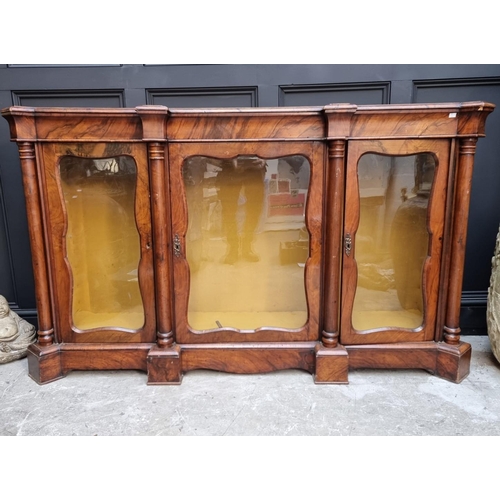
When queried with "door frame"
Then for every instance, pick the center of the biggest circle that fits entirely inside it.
(440, 149)
(60, 271)
(314, 151)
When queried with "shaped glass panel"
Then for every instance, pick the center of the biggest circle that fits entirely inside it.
(102, 241)
(247, 241)
(392, 240)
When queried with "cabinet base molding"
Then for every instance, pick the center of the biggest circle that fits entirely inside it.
(49, 363)
(166, 366)
(262, 357)
(450, 362)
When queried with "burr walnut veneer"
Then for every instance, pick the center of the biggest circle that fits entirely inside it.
(248, 240)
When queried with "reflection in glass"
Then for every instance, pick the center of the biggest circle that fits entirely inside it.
(102, 241)
(246, 242)
(392, 240)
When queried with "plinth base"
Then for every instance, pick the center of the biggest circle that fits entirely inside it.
(166, 366)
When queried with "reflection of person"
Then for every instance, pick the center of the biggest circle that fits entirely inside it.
(241, 179)
(16, 334)
(295, 168)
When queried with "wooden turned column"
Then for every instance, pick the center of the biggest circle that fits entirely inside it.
(466, 151)
(332, 363)
(162, 242)
(333, 218)
(36, 235)
(332, 359)
(163, 360)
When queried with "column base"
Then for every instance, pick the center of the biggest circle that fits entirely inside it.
(453, 361)
(164, 366)
(44, 363)
(332, 365)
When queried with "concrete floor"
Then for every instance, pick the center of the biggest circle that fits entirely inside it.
(375, 403)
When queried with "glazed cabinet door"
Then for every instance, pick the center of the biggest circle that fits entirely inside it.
(395, 205)
(247, 240)
(98, 220)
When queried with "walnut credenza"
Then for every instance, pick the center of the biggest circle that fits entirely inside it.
(248, 240)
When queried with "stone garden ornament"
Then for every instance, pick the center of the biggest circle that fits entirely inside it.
(493, 305)
(16, 334)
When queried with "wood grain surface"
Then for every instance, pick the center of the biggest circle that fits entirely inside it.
(332, 138)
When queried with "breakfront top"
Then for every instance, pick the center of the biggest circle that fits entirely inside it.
(335, 121)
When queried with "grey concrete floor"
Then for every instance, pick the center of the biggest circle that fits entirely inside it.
(375, 403)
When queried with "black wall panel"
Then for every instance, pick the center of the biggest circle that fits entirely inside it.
(97, 99)
(204, 98)
(188, 85)
(320, 95)
(6, 278)
(484, 214)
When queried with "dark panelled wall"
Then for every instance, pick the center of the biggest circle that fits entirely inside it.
(251, 85)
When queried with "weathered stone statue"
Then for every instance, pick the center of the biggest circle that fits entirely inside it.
(493, 305)
(16, 334)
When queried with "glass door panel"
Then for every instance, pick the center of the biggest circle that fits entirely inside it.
(392, 240)
(102, 241)
(246, 242)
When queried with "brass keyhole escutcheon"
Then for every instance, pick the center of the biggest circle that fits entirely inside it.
(348, 244)
(177, 246)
